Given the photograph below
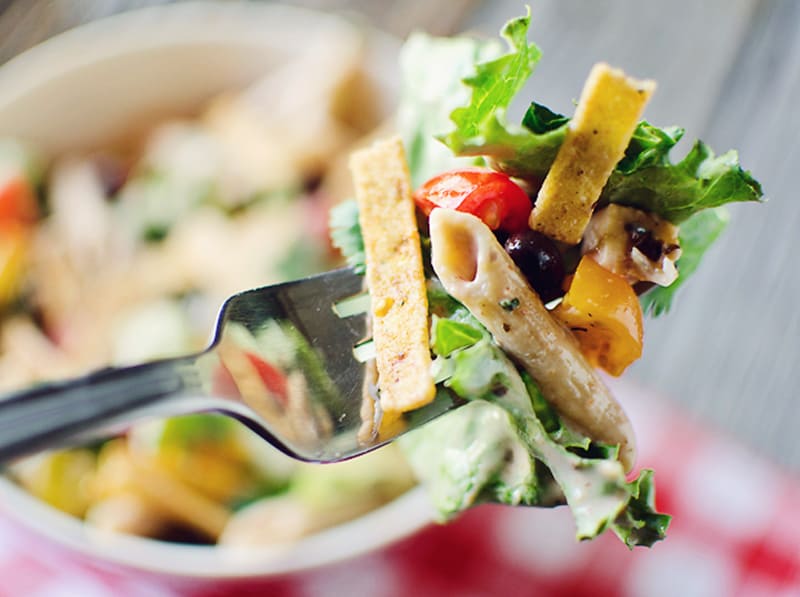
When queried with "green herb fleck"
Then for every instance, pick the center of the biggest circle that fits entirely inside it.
(509, 305)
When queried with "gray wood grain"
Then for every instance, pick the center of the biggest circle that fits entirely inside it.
(728, 71)
(734, 355)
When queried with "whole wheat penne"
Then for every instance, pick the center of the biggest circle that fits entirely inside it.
(475, 269)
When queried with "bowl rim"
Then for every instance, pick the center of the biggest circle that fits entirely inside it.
(120, 34)
(392, 522)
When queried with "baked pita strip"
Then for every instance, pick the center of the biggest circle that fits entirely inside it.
(395, 277)
(608, 111)
(475, 269)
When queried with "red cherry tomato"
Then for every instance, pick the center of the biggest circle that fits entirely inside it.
(17, 202)
(18, 212)
(489, 195)
(273, 379)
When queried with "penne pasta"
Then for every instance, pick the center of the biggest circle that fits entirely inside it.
(475, 269)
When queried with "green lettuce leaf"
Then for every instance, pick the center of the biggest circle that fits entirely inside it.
(697, 234)
(644, 178)
(639, 523)
(448, 335)
(432, 70)
(462, 458)
(677, 191)
(495, 83)
(550, 420)
(481, 129)
(649, 146)
(345, 233)
(509, 446)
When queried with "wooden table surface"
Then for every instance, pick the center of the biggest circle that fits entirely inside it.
(729, 72)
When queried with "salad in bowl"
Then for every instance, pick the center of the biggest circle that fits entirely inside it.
(198, 161)
(505, 265)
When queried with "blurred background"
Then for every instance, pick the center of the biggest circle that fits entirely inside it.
(726, 359)
(728, 72)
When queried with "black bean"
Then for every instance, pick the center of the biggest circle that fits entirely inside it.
(540, 261)
(643, 239)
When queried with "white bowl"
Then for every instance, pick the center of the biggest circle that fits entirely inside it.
(102, 84)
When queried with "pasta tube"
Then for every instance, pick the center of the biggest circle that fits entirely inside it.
(475, 269)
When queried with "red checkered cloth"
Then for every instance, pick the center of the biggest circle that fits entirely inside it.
(735, 532)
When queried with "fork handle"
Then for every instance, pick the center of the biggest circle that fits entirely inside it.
(51, 414)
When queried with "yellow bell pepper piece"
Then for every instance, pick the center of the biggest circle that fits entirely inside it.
(62, 479)
(14, 241)
(604, 314)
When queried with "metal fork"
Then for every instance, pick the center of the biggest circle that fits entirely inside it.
(282, 361)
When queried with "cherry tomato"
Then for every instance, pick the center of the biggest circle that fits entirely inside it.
(604, 314)
(273, 379)
(489, 195)
(17, 201)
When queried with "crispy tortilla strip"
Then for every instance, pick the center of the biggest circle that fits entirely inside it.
(607, 114)
(476, 270)
(394, 275)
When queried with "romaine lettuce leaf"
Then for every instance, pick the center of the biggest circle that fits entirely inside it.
(345, 233)
(645, 178)
(697, 234)
(494, 83)
(511, 149)
(677, 191)
(509, 446)
(639, 523)
(481, 128)
(462, 458)
(550, 420)
(432, 71)
(448, 335)
(649, 146)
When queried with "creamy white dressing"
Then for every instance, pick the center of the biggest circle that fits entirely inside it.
(479, 438)
(594, 489)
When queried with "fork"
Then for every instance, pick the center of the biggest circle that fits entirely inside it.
(283, 361)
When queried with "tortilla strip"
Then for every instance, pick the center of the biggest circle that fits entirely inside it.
(475, 269)
(608, 111)
(395, 277)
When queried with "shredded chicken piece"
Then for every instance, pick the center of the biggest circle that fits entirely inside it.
(639, 246)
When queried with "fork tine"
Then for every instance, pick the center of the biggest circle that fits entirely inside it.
(308, 305)
(282, 362)
(295, 330)
(320, 340)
